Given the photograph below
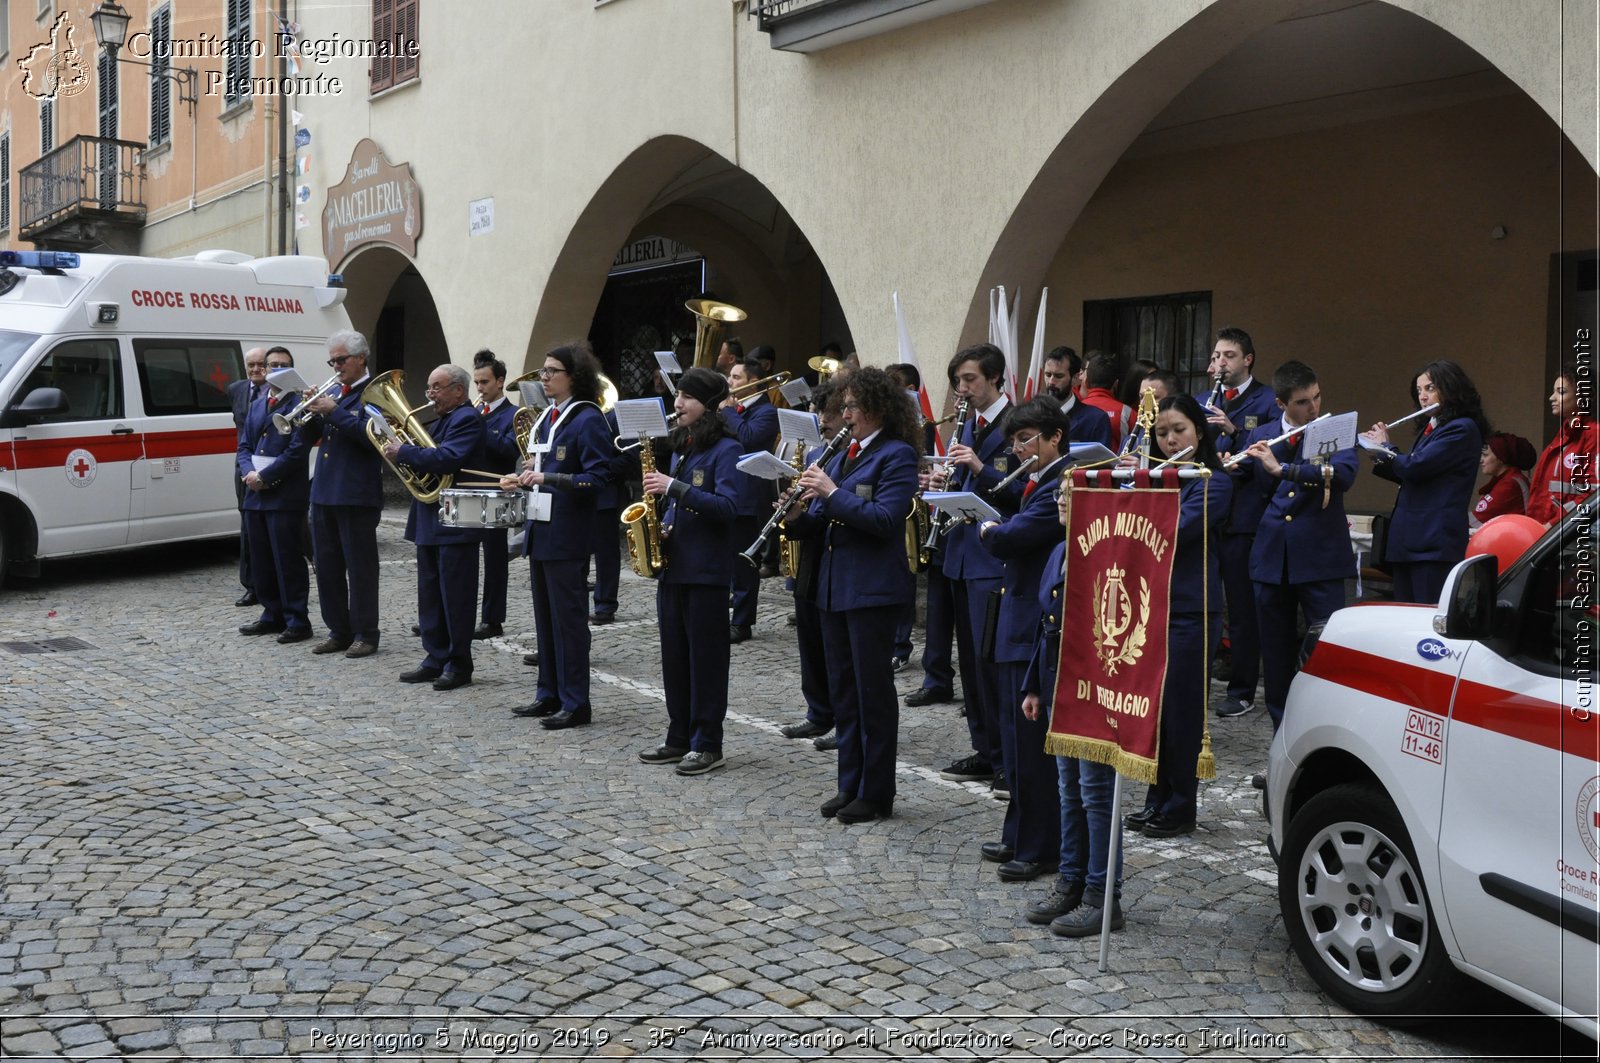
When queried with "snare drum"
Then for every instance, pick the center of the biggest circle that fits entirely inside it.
(469, 508)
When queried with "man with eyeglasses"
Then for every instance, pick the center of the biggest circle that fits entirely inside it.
(346, 501)
(273, 468)
(447, 558)
(242, 394)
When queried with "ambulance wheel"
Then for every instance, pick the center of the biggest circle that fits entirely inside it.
(1357, 909)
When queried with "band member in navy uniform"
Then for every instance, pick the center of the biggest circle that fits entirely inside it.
(755, 422)
(1195, 621)
(980, 459)
(702, 493)
(1428, 532)
(447, 558)
(857, 509)
(572, 452)
(1243, 405)
(1302, 553)
(346, 501)
(1085, 423)
(1032, 830)
(277, 492)
(501, 455)
(607, 529)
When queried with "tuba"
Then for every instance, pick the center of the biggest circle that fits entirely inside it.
(386, 393)
(710, 321)
(642, 523)
(522, 425)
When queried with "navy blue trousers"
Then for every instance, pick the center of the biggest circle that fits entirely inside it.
(866, 706)
(1033, 815)
(813, 662)
(246, 578)
(607, 561)
(938, 670)
(692, 621)
(447, 577)
(346, 540)
(746, 577)
(1183, 711)
(1280, 644)
(1244, 635)
(562, 624)
(496, 576)
(272, 539)
(980, 679)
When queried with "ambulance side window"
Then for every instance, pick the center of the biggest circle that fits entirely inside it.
(88, 373)
(178, 377)
(1559, 617)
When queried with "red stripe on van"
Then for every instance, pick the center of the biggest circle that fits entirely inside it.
(196, 441)
(46, 453)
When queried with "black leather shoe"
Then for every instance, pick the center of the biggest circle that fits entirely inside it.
(863, 811)
(562, 720)
(416, 630)
(1167, 827)
(899, 663)
(1058, 902)
(663, 754)
(997, 852)
(487, 631)
(599, 619)
(530, 659)
(1135, 821)
(331, 645)
(451, 680)
(293, 635)
(832, 805)
(769, 571)
(538, 709)
(803, 729)
(1022, 870)
(421, 675)
(247, 598)
(260, 627)
(826, 742)
(738, 633)
(929, 696)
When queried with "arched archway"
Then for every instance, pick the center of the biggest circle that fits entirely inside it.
(390, 303)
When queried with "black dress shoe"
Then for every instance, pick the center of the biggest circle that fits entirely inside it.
(826, 742)
(260, 627)
(863, 811)
(769, 571)
(997, 852)
(538, 709)
(331, 645)
(416, 629)
(579, 717)
(803, 729)
(602, 618)
(451, 680)
(487, 631)
(738, 633)
(247, 598)
(294, 635)
(1135, 821)
(1167, 827)
(832, 805)
(421, 675)
(929, 696)
(530, 659)
(1022, 870)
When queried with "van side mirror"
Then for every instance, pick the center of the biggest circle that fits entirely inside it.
(1468, 599)
(35, 406)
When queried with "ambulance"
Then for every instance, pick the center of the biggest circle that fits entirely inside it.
(1434, 791)
(116, 427)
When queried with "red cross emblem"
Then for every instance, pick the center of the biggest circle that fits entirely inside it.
(219, 377)
(81, 468)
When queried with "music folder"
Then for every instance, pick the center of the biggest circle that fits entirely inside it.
(764, 464)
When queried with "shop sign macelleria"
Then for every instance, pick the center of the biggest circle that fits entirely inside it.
(377, 202)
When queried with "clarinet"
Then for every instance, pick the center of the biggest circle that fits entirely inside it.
(941, 523)
(1216, 391)
(751, 555)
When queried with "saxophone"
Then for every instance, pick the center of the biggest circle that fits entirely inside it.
(919, 524)
(789, 549)
(642, 522)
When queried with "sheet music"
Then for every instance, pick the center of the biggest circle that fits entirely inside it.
(640, 417)
(669, 364)
(800, 426)
(764, 464)
(796, 391)
(961, 504)
(1329, 435)
(287, 379)
(1087, 454)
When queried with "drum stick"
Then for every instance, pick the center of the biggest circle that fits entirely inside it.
(495, 485)
(495, 476)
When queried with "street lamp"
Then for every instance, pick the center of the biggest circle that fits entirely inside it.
(111, 31)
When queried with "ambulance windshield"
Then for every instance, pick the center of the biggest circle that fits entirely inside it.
(13, 345)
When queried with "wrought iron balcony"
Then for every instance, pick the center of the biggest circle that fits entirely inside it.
(812, 25)
(87, 193)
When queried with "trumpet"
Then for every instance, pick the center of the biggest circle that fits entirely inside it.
(1275, 440)
(753, 554)
(288, 422)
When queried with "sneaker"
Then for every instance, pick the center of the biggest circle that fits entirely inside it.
(999, 789)
(663, 755)
(1058, 902)
(969, 769)
(900, 663)
(826, 742)
(1234, 707)
(700, 762)
(1084, 920)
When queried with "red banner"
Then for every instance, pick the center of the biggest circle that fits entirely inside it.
(1118, 587)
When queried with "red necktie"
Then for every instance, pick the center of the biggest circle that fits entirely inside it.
(1428, 431)
(272, 401)
(344, 389)
(1293, 441)
(1026, 491)
(983, 422)
(1229, 394)
(739, 408)
(484, 409)
(855, 449)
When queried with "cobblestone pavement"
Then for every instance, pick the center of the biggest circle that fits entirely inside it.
(213, 846)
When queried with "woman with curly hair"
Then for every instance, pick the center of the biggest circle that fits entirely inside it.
(1428, 532)
(855, 510)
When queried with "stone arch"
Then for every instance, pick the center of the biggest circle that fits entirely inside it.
(391, 303)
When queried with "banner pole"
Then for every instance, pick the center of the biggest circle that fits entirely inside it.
(1112, 850)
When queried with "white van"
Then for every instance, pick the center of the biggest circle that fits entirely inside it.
(116, 429)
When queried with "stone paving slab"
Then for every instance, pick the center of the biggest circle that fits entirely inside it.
(214, 847)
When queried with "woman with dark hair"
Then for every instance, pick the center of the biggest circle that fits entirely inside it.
(1133, 381)
(856, 510)
(1566, 472)
(701, 493)
(570, 459)
(1195, 628)
(1505, 463)
(1428, 532)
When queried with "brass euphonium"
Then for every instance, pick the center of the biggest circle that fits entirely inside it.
(642, 523)
(386, 392)
(522, 424)
(711, 319)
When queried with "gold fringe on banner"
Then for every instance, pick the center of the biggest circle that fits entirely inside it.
(1099, 751)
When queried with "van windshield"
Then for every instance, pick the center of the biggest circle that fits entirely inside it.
(13, 345)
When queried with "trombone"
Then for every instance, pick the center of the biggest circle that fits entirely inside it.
(301, 414)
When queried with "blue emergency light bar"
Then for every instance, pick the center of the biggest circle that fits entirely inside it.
(40, 259)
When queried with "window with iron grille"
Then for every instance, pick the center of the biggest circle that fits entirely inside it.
(5, 184)
(1173, 331)
(47, 126)
(236, 77)
(394, 24)
(160, 83)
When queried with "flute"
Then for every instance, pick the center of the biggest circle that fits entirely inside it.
(1413, 415)
(1020, 469)
(1385, 448)
(1237, 458)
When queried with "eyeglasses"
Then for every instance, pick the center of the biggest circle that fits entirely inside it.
(549, 371)
(848, 406)
(1015, 443)
(340, 360)
(279, 365)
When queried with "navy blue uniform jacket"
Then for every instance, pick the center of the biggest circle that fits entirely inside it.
(964, 557)
(757, 429)
(285, 483)
(459, 442)
(861, 529)
(1088, 424)
(1023, 543)
(700, 549)
(1189, 580)
(500, 439)
(1296, 534)
(1040, 677)
(349, 470)
(583, 450)
(1256, 407)
(1436, 480)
